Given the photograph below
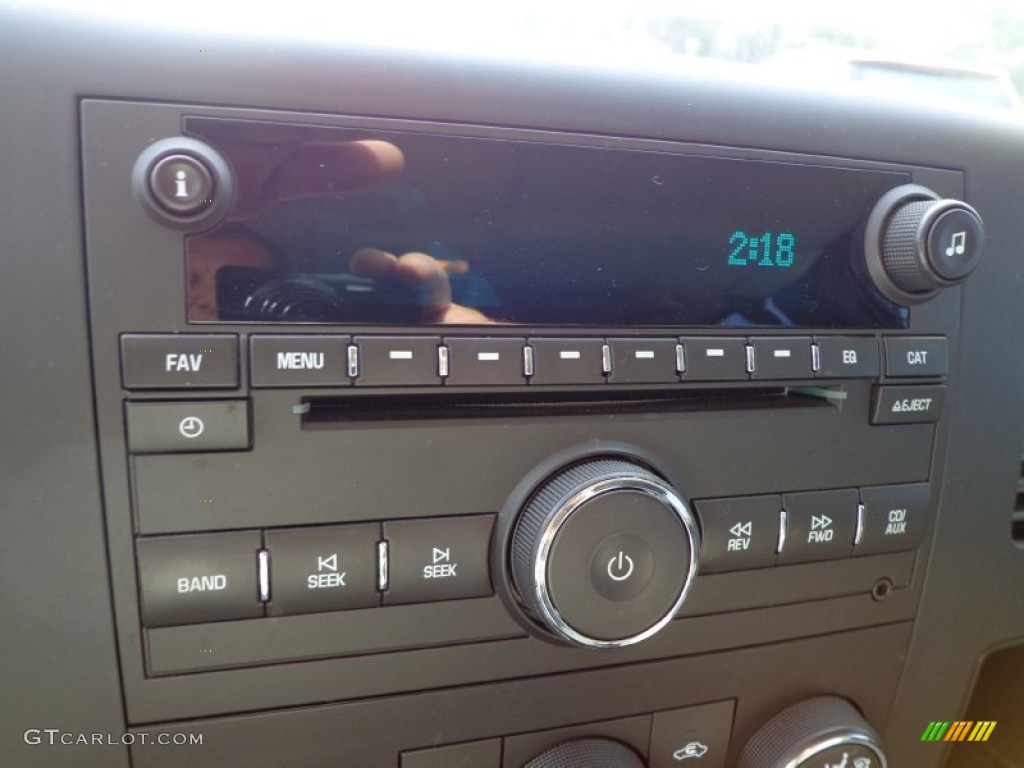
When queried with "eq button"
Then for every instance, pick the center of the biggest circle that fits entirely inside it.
(847, 357)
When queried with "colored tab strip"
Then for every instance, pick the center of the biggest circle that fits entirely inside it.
(935, 731)
(959, 730)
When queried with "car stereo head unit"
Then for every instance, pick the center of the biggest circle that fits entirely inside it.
(382, 386)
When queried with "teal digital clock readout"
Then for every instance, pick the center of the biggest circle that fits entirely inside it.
(770, 249)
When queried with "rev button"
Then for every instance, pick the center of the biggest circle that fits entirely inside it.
(739, 533)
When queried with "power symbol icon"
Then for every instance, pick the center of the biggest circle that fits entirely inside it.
(620, 567)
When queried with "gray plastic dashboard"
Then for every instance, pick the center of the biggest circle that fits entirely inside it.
(79, 266)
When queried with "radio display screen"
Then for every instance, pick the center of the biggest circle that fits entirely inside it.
(362, 227)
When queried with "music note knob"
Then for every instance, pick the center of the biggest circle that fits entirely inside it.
(917, 244)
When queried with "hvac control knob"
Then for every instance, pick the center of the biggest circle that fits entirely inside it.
(825, 732)
(917, 244)
(587, 753)
(603, 554)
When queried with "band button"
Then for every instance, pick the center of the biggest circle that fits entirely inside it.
(192, 579)
(893, 518)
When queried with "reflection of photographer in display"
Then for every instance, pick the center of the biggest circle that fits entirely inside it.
(310, 170)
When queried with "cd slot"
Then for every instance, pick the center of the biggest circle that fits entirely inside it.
(326, 410)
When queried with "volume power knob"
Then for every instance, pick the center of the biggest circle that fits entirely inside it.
(917, 244)
(603, 554)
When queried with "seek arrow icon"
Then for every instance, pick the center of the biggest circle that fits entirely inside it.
(820, 522)
(742, 529)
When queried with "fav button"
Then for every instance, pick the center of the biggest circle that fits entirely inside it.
(179, 361)
(438, 559)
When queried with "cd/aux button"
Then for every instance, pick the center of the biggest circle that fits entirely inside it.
(893, 518)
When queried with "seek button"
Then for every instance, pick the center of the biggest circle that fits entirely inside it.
(438, 559)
